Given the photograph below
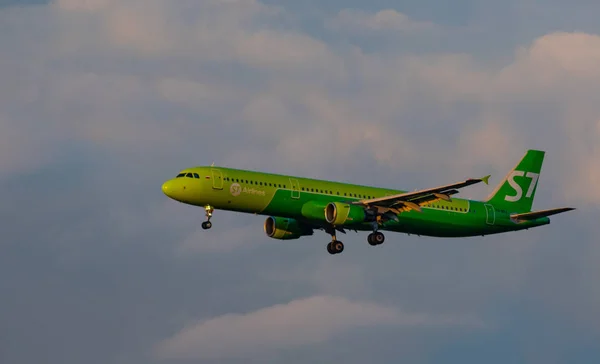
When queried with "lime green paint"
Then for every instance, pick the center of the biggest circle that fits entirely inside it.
(304, 200)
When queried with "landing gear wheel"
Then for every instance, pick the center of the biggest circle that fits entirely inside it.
(370, 239)
(335, 247)
(206, 225)
(376, 238)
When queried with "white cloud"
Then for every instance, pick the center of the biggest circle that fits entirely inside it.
(384, 20)
(313, 103)
(294, 324)
(214, 30)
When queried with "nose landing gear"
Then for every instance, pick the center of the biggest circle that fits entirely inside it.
(209, 210)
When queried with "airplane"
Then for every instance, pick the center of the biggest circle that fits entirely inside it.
(297, 206)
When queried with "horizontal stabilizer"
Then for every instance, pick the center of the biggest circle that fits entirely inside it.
(538, 214)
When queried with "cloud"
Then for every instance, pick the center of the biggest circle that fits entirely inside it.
(294, 324)
(209, 31)
(309, 101)
(384, 20)
(103, 100)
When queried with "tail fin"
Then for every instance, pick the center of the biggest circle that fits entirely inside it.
(517, 190)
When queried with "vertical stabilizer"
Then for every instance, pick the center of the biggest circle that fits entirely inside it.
(516, 192)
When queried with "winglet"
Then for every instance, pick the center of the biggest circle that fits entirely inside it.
(486, 179)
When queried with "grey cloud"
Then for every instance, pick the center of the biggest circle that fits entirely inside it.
(297, 323)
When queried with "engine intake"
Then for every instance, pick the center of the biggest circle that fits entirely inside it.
(283, 228)
(337, 213)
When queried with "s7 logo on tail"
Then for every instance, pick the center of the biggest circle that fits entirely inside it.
(511, 181)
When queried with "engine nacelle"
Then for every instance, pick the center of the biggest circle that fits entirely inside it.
(314, 210)
(339, 214)
(285, 229)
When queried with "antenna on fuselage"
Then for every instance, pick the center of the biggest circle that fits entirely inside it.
(213, 164)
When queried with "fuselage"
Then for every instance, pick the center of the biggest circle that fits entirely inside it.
(288, 196)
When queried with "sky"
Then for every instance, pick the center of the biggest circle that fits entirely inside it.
(101, 101)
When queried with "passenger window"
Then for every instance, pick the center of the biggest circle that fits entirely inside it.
(251, 182)
(338, 193)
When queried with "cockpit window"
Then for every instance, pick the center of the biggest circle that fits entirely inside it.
(196, 175)
(180, 175)
(189, 175)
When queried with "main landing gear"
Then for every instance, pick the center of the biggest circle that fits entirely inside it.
(336, 246)
(209, 210)
(376, 238)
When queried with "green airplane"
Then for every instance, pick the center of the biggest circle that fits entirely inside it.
(297, 206)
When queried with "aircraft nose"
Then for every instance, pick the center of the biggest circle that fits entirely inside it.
(167, 188)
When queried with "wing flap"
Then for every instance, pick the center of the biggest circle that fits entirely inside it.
(527, 216)
(414, 200)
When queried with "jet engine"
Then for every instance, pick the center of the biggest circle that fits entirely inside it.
(339, 214)
(284, 228)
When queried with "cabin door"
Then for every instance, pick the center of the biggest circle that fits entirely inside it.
(295, 188)
(491, 214)
(217, 179)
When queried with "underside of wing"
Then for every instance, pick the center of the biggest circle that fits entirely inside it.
(528, 216)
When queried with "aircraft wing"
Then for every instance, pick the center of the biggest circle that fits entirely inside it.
(414, 200)
(537, 214)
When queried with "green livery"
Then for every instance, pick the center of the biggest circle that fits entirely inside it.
(297, 206)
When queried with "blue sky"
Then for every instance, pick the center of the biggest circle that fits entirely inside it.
(103, 100)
